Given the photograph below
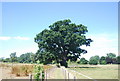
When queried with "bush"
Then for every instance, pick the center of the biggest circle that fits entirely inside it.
(38, 70)
(108, 60)
(103, 62)
(94, 60)
(82, 61)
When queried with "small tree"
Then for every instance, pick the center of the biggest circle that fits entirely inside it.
(111, 58)
(7, 60)
(38, 70)
(82, 61)
(13, 57)
(108, 60)
(111, 55)
(32, 57)
(94, 60)
(26, 58)
(114, 60)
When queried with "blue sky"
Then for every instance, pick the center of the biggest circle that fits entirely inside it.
(21, 21)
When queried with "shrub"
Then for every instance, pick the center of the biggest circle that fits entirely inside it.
(103, 62)
(94, 60)
(108, 60)
(38, 70)
(82, 61)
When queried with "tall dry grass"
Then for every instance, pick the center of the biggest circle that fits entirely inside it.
(22, 70)
(46, 67)
(4, 65)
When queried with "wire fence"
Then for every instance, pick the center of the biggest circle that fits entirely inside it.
(47, 75)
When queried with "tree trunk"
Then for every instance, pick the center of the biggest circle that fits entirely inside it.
(64, 63)
(64, 59)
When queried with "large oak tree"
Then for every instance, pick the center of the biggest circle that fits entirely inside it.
(61, 42)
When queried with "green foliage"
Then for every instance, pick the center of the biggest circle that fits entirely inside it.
(111, 58)
(44, 57)
(82, 61)
(38, 70)
(13, 57)
(102, 60)
(111, 55)
(108, 60)
(6, 60)
(114, 61)
(94, 60)
(26, 58)
(118, 59)
(32, 57)
(61, 42)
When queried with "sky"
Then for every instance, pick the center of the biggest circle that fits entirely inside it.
(21, 21)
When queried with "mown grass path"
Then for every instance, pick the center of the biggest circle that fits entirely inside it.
(58, 73)
(54, 73)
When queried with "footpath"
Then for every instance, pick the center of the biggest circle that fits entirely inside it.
(58, 73)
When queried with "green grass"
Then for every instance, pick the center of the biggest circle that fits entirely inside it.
(58, 74)
(96, 71)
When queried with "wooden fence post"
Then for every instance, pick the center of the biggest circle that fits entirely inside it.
(30, 76)
(40, 76)
(68, 76)
(65, 75)
(46, 75)
(74, 78)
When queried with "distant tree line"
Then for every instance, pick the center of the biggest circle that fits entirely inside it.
(23, 58)
(111, 58)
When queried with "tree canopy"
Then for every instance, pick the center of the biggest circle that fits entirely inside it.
(13, 57)
(102, 60)
(62, 42)
(94, 60)
(26, 58)
(82, 61)
(111, 55)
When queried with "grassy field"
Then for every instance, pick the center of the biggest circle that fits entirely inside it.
(96, 71)
(79, 71)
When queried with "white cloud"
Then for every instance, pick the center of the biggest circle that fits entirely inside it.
(21, 38)
(101, 45)
(33, 47)
(5, 38)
